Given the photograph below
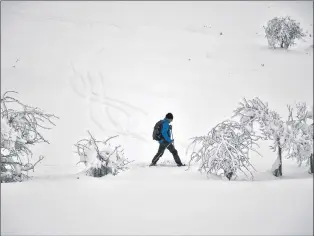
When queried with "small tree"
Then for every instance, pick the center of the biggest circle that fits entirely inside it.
(225, 150)
(20, 125)
(271, 126)
(282, 31)
(300, 145)
(100, 158)
(292, 136)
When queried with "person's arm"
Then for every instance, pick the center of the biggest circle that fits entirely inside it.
(170, 132)
(164, 132)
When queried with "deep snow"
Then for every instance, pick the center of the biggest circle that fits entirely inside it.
(158, 200)
(116, 68)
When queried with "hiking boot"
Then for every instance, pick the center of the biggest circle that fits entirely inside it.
(152, 164)
(180, 165)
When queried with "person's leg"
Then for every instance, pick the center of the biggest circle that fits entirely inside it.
(161, 150)
(174, 152)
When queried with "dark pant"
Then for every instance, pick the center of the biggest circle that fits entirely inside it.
(161, 150)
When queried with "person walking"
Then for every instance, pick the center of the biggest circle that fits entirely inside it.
(162, 133)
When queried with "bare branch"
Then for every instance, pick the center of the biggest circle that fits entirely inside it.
(21, 130)
(225, 148)
(106, 162)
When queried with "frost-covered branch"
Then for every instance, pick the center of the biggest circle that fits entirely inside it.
(282, 32)
(20, 128)
(293, 136)
(100, 158)
(270, 123)
(300, 142)
(225, 150)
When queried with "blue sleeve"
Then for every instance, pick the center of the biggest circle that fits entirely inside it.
(164, 131)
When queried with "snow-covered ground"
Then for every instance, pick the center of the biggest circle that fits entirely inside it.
(118, 67)
(162, 200)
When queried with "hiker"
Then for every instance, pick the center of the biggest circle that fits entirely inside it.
(162, 133)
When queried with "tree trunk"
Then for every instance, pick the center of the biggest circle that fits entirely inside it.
(280, 158)
(278, 171)
(311, 171)
(282, 44)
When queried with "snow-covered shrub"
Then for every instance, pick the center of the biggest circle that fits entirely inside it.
(300, 143)
(225, 150)
(20, 125)
(100, 158)
(272, 127)
(282, 31)
(291, 136)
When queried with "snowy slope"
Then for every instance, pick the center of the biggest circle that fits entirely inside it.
(116, 68)
(155, 201)
(80, 56)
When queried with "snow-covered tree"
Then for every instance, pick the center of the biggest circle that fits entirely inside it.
(100, 158)
(282, 31)
(271, 125)
(20, 129)
(225, 150)
(291, 136)
(300, 143)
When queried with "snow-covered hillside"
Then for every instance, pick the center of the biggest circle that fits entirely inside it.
(163, 200)
(117, 68)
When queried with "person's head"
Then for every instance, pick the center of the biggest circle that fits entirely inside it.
(169, 117)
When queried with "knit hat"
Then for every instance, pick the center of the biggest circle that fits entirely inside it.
(169, 116)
